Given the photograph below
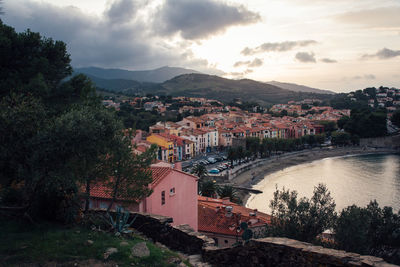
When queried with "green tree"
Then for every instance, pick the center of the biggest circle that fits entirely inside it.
(200, 171)
(253, 145)
(283, 113)
(240, 154)
(367, 230)
(329, 126)
(340, 138)
(21, 117)
(342, 121)
(232, 155)
(131, 173)
(320, 138)
(26, 57)
(208, 188)
(86, 135)
(229, 191)
(366, 123)
(55, 135)
(301, 219)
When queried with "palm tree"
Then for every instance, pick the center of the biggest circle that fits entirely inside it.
(208, 188)
(229, 191)
(232, 155)
(200, 171)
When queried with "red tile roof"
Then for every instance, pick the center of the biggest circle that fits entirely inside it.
(214, 218)
(100, 190)
(159, 173)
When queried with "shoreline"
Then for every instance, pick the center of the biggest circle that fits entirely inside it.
(279, 162)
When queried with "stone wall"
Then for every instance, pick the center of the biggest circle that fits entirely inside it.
(286, 252)
(258, 252)
(382, 142)
(181, 237)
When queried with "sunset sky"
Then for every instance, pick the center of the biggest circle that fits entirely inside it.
(340, 45)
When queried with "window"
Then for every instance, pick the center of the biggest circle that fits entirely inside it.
(226, 241)
(216, 241)
(162, 197)
(172, 191)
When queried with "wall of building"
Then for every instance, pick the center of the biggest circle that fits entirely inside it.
(97, 203)
(181, 205)
(382, 142)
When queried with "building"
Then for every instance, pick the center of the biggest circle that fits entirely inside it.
(174, 195)
(165, 145)
(219, 219)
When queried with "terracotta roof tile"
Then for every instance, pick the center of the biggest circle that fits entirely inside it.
(213, 216)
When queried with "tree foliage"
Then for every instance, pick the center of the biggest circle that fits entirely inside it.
(130, 172)
(208, 188)
(368, 230)
(228, 191)
(200, 171)
(365, 123)
(302, 219)
(55, 136)
(27, 58)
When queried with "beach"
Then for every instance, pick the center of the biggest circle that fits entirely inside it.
(279, 162)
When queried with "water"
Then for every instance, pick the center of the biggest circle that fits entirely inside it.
(350, 179)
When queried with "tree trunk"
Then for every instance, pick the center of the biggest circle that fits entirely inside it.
(87, 196)
(115, 191)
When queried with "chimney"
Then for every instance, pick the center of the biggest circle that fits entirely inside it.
(178, 166)
(228, 210)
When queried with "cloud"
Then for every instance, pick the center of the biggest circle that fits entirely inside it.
(241, 63)
(328, 60)
(252, 64)
(256, 63)
(387, 17)
(306, 57)
(360, 77)
(200, 19)
(384, 53)
(369, 77)
(121, 11)
(277, 47)
(239, 74)
(117, 38)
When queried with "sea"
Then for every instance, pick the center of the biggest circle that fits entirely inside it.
(351, 180)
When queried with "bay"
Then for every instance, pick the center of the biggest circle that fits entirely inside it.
(351, 180)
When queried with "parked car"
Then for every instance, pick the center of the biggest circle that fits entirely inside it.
(218, 159)
(214, 171)
(212, 160)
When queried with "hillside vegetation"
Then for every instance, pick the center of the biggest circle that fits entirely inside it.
(201, 85)
(155, 76)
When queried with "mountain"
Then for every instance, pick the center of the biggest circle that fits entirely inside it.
(116, 85)
(155, 76)
(214, 87)
(299, 88)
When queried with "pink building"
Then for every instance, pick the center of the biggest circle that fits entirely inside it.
(174, 195)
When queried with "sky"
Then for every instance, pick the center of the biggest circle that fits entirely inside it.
(340, 45)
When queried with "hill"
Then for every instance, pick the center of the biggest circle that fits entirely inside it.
(202, 85)
(299, 88)
(155, 76)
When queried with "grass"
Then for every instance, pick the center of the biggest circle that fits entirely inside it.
(24, 243)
